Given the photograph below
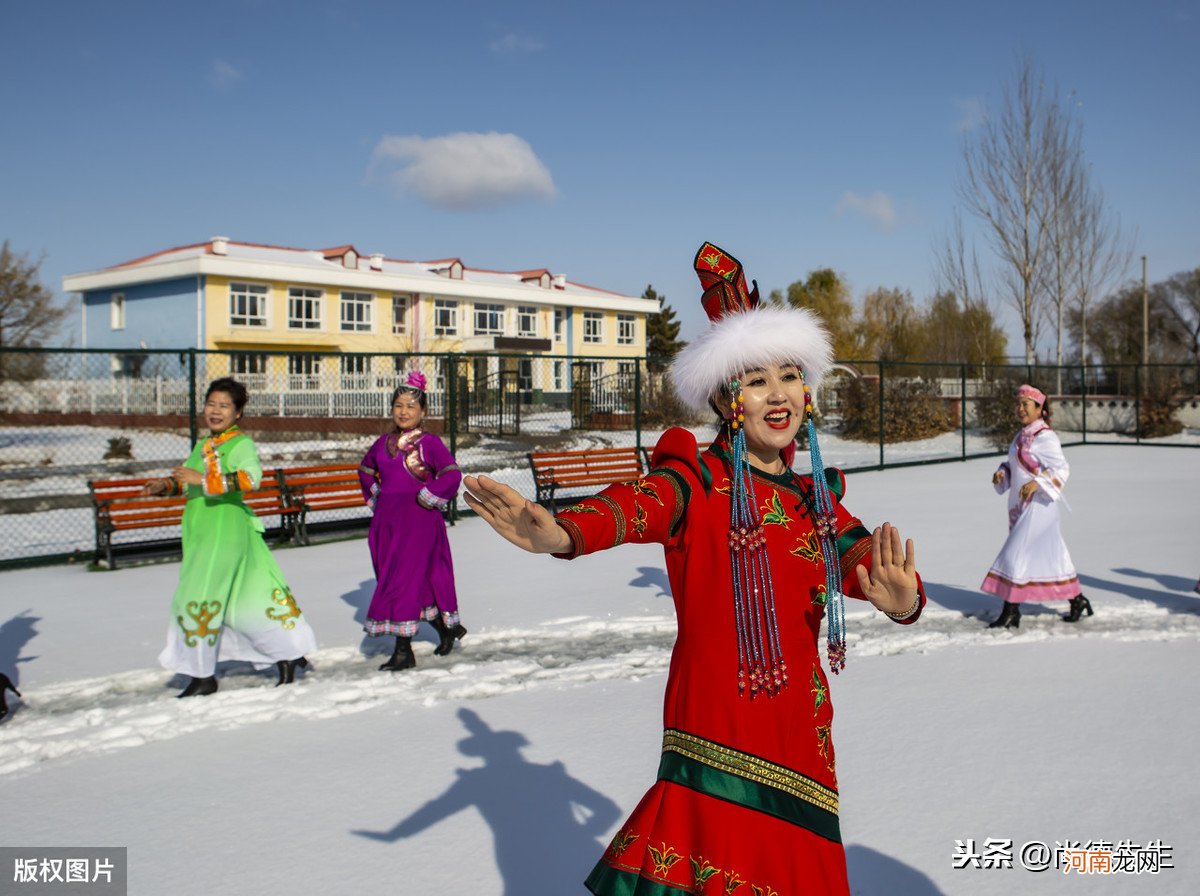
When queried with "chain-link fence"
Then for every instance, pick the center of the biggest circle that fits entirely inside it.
(71, 416)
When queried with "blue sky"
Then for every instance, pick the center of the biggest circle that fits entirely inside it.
(604, 141)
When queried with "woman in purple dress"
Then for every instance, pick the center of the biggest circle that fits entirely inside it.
(408, 477)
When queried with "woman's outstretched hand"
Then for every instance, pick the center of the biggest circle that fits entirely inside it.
(891, 583)
(529, 526)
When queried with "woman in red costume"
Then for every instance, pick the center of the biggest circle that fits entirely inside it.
(746, 800)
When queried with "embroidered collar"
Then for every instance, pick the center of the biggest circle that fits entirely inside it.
(405, 441)
(225, 436)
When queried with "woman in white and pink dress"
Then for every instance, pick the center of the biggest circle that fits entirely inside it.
(1034, 564)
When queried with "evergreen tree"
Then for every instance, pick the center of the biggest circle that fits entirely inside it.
(662, 333)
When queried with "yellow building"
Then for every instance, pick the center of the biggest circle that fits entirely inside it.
(257, 305)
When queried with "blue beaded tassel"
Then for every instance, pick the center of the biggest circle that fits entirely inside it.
(761, 668)
(826, 526)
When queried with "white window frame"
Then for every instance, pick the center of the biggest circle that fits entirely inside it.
(250, 295)
(308, 299)
(355, 371)
(593, 327)
(445, 317)
(401, 302)
(527, 321)
(363, 303)
(560, 376)
(560, 324)
(626, 329)
(304, 370)
(484, 310)
(116, 306)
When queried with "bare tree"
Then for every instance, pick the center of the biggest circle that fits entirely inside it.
(28, 312)
(1005, 185)
(959, 276)
(1180, 296)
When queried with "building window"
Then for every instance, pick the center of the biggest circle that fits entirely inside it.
(400, 305)
(356, 312)
(560, 324)
(304, 371)
(527, 321)
(242, 363)
(626, 329)
(445, 317)
(525, 375)
(626, 373)
(304, 308)
(489, 320)
(356, 371)
(560, 376)
(117, 310)
(593, 326)
(248, 304)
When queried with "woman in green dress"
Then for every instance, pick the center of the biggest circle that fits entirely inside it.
(232, 602)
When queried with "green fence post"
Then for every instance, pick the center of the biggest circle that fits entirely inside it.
(637, 405)
(1083, 393)
(1137, 404)
(962, 406)
(451, 380)
(881, 415)
(192, 434)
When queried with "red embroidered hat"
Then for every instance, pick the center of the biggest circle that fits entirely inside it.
(743, 335)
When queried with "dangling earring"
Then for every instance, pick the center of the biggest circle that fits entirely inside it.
(825, 523)
(761, 667)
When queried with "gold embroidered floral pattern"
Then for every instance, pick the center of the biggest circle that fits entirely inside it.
(663, 859)
(807, 548)
(639, 519)
(643, 487)
(701, 872)
(579, 508)
(290, 611)
(825, 744)
(819, 691)
(621, 842)
(819, 596)
(201, 613)
(725, 489)
(763, 891)
(732, 882)
(773, 512)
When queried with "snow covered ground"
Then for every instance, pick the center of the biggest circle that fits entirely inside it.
(505, 767)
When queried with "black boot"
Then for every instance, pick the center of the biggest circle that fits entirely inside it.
(5, 685)
(287, 670)
(447, 634)
(1010, 616)
(402, 656)
(200, 687)
(1079, 606)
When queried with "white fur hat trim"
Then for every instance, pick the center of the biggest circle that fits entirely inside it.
(748, 340)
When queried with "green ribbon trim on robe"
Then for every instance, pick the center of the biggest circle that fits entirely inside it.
(706, 779)
(605, 880)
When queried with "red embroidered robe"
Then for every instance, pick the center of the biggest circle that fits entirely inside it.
(746, 798)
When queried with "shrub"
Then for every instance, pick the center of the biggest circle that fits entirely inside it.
(913, 408)
(119, 448)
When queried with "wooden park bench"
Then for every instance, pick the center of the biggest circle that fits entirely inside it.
(120, 506)
(315, 490)
(590, 469)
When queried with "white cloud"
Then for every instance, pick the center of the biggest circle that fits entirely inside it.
(223, 75)
(464, 172)
(877, 207)
(512, 42)
(970, 114)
